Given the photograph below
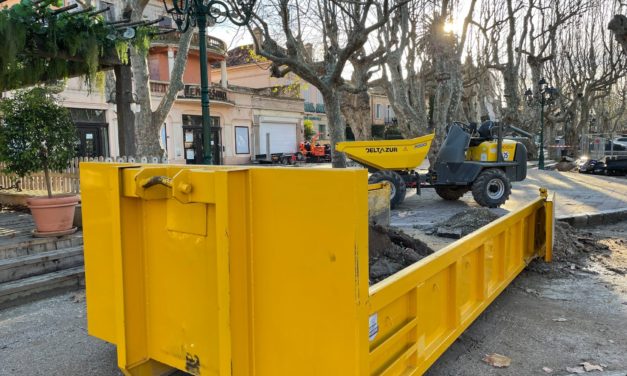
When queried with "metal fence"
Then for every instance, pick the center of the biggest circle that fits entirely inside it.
(597, 146)
(66, 181)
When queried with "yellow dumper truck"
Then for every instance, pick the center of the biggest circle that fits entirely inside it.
(470, 159)
(187, 269)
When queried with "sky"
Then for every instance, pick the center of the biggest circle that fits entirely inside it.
(232, 35)
(235, 36)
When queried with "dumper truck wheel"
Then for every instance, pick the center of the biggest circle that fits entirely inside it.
(491, 188)
(450, 193)
(398, 189)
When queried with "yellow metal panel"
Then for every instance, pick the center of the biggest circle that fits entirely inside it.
(130, 289)
(213, 272)
(421, 310)
(100, 195)
(388, 154)
(241, 266)
(175, 281)
(550, 227)
(298, 279)
(487, 151)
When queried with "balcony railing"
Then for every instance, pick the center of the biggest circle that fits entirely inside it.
(190, 91)
(315, 107)
(213, 44)
(310, 107)
(159, 87)
(390, 121)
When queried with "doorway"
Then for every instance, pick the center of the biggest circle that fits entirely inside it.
(91, 131)
(193, 139)
(92, 143)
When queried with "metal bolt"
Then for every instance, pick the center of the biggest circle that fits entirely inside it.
(185, 188)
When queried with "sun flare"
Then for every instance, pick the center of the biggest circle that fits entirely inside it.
(452, 27)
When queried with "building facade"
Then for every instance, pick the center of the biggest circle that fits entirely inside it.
(251, 112)
(244, 68)
(238, 113)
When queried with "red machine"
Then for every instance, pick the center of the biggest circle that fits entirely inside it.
(314, 152)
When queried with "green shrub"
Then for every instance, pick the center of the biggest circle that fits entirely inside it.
(309, 129)
(36, 134)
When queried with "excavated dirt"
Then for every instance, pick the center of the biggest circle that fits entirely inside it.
(575, 248)
(392, 250)
(468, 220)
(565, 166)
(570, 244)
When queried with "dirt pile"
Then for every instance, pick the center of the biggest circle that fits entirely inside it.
(392, 250)
(565, 166)
(467, 221)
(571, 244)
(574, 249)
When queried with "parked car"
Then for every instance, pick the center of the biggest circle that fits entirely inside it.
(616, 165)
(620, 141)
(592, 166)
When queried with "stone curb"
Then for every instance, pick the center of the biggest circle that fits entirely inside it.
(605, 373)
(595, 218)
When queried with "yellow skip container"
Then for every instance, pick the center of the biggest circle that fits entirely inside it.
(216, 271)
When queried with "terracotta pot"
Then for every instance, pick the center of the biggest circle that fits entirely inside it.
(53, 214)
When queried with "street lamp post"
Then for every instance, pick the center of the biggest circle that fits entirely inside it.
(544, 97)
(198, 13)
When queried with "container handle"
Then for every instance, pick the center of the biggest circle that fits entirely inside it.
(157, 180)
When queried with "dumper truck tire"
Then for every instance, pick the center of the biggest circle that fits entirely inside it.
(451, 193)
(398, 188)
(491, 188)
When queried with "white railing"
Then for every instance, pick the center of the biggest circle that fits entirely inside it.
(66, 181)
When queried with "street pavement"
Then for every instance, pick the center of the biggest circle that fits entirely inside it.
(576, 194)
(49, 337)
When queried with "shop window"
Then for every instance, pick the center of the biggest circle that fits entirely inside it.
(242, 142)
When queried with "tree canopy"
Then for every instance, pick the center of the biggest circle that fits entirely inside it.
(40, 43)
(440, 61)
(37, 133)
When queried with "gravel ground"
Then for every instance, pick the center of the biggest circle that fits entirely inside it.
(544, 319)
(49, 337)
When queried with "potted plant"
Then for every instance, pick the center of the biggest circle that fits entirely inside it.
(37, 134)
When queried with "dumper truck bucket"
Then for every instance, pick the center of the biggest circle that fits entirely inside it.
(388, 154)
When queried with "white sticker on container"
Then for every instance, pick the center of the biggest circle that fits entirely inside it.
(373, 327)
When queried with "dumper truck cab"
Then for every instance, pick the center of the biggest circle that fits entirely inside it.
(471, 158)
